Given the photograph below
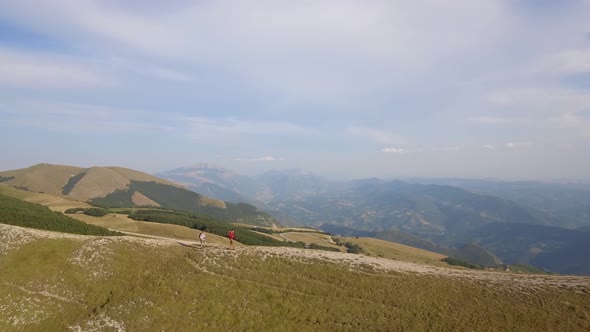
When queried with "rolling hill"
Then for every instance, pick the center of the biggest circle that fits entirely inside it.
(121, 187)
(57, 282)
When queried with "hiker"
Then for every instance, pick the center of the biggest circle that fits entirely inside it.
(202, 238)
(231, 235)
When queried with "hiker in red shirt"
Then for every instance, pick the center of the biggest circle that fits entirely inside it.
(231, 235)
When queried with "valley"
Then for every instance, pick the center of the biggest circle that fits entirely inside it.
(155, 276)
(520, 223)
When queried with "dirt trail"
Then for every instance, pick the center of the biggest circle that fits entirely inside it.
(13, 236)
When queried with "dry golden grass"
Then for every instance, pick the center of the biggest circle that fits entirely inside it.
(54, 202)
(52, 282)
(121, 222)
(142, 200)
(212, 202)
(392, 250)
(43, 177)
(98, 181)
(309, 238)
(282, 229)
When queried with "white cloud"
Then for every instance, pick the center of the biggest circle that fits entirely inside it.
(540, 100)
(518, 145)
(543, 108)
(568, 62)
(232, 131)
(500, 120)
(77, 117)
(392, 150)
(448, 148)
(376, 135)
(27, 69)
(168, 74)
(290, 48)
(240, 75)
(234, 126)
(579, 121)
(266, 158)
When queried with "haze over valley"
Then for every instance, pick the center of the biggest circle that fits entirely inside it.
(279, 166)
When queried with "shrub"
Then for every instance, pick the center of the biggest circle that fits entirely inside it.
(20, 213)
(459, 262)
(352, 248)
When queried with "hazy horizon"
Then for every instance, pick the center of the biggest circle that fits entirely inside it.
(344, 89)
(331, 177)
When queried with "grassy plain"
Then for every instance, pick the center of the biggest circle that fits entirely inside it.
(88, 283)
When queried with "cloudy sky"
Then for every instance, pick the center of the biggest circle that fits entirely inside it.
(347, 89)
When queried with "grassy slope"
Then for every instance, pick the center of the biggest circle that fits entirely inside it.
(42, 177)
(308, 238)
(54, 202)
(119, 223)
(392, 250)
(116, 187)
(14, 211)
(98, 181)
(57, 284)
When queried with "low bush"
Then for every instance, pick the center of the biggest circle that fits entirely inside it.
(459, 262)
(20, 213)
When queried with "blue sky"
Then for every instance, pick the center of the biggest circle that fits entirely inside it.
(347, 89)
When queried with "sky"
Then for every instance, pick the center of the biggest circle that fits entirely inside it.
(345, 89)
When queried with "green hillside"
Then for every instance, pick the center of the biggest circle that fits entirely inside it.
(476, 255)
(124, 284)
(122, 187)
(409, 240)
(549, 248)
(185, 200)
(20, 213)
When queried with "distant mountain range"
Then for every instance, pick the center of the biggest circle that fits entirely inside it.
(122, 187)
(566, 202)
(451, 214)
(228, 185)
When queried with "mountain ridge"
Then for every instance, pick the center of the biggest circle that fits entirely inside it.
(114, 186)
